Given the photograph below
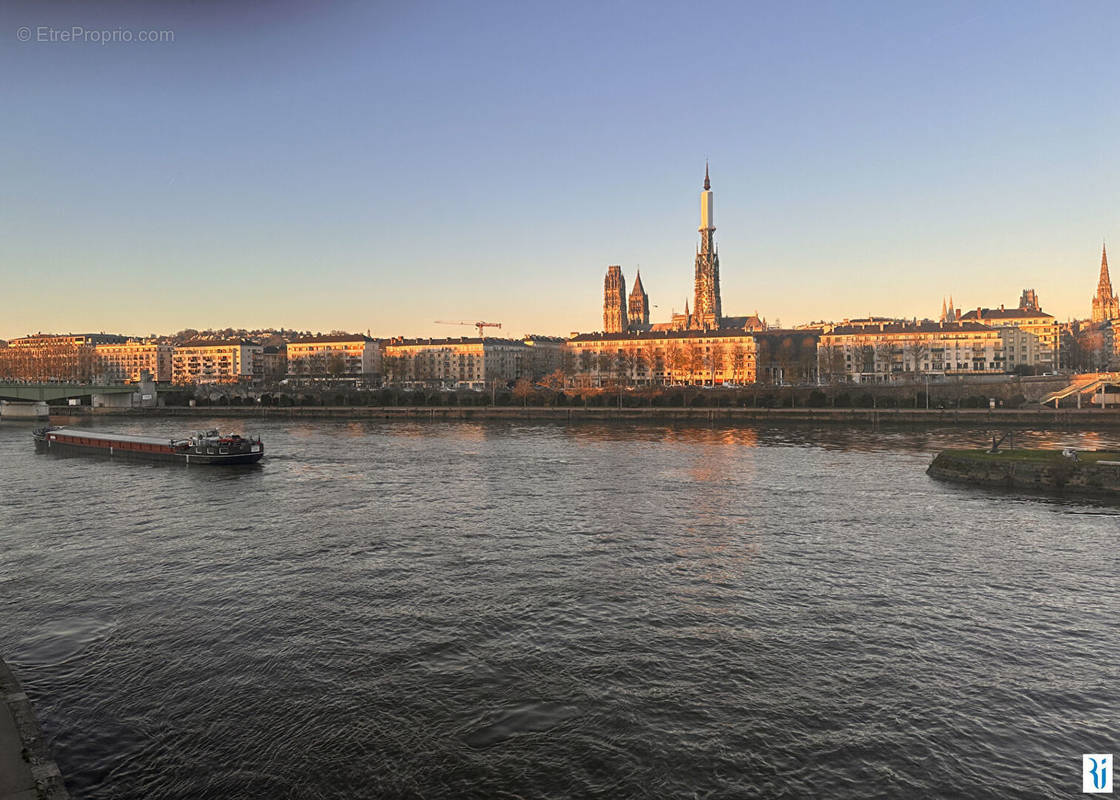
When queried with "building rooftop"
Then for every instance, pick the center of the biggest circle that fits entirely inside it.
(399, 341)
(721, 333)
(1005, 313)
(921, 327)
(334, 337)
(219, 343)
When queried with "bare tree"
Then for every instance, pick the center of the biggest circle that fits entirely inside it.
(917, 351)
(677, 360)
(717, 361)
(336, 364)
(567, 363)
(695, 360)
(523, 390)
(832, 362)
(738, 362)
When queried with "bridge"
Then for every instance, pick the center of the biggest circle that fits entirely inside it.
(46, 392)
(29, 400)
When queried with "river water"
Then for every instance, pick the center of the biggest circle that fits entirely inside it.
(501, 610)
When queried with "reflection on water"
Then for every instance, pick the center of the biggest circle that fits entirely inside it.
(462, 609)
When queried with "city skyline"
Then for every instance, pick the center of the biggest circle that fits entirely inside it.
(375, 170)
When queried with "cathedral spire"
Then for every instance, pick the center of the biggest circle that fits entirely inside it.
(706, 304)
(1106, 307)
(1105, 282)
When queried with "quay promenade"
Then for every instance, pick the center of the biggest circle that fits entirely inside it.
(26, 769)
(1036, 417)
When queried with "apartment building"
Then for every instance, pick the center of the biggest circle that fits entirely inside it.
(123, 363)
(463, 362)
(898, 351)
(350, 356)
(217, 362)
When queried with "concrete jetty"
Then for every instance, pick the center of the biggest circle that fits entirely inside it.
(1094, 472)
(26, 769)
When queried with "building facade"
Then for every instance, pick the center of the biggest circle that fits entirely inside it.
(899, 352)
(545, 355)
(467, 363)
(124, 363)
(274, 362)
(1034, 321)
(217, 362)
(338, 356)
(654, 358)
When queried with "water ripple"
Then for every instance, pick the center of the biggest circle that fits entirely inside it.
(511, 611)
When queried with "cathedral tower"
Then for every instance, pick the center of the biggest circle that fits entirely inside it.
(1105, 305)
(614, 301)
(707, 308)
(639, 306)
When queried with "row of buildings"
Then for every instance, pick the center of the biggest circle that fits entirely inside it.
(355, 358)
(699, 346)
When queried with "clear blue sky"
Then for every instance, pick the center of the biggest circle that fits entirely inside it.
(383, 165)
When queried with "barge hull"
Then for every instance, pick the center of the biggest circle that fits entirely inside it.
(66, 450)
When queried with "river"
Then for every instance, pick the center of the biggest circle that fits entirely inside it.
(501, 610)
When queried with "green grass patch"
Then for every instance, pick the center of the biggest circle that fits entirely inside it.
(1083, 456)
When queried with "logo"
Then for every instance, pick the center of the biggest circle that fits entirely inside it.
(1096, 773)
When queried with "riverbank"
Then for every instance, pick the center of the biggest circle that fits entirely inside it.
(26, 769)
(973, 417)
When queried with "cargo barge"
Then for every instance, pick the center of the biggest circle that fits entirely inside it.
(208, 447)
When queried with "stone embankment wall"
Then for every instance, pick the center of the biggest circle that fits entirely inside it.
(1057, 473)
(26, 768)
(999, 418)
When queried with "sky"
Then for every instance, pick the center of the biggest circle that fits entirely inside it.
(379, 166)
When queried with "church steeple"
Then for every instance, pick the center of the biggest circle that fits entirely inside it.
(1105, 284)
(638, 308)
(1105, 304)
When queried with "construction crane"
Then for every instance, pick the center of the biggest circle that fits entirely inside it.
(479, 325)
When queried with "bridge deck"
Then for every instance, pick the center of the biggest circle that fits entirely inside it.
(45, 392)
